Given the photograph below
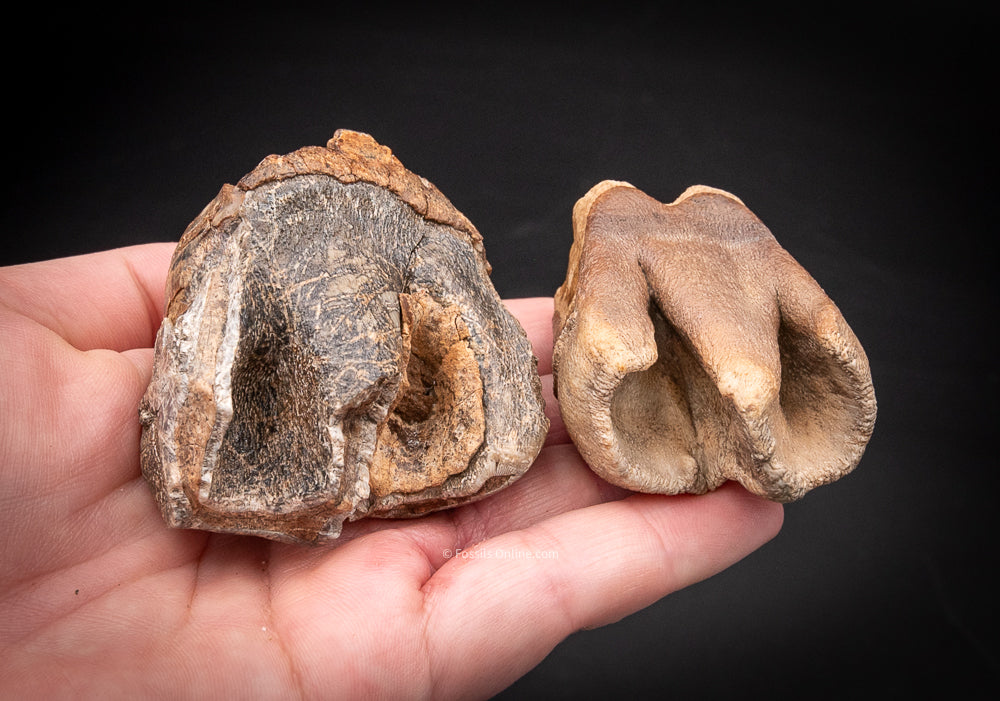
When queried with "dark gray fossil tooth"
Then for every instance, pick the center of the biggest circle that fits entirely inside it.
(333, 348)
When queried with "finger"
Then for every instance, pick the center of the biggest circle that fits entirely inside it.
(557, 435)
(535, 315)
(384, 572)
(112, 299)
(557, 482)
(514, 597)
(69, 439)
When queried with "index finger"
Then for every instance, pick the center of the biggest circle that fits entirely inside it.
(112, 299)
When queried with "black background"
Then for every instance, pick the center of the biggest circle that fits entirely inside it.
(859, 135)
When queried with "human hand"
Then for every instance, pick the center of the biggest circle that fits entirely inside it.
(100, 598)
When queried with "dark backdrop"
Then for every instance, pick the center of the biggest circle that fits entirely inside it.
(858, 135)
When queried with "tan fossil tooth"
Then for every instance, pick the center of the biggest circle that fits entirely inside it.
(692, 349)
(332, 349)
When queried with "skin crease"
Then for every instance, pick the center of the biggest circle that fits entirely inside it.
(99, 598)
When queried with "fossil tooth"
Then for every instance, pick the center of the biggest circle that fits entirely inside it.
(332, 349)
(692, 349)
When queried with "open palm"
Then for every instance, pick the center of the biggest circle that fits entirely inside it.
(99, 597)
